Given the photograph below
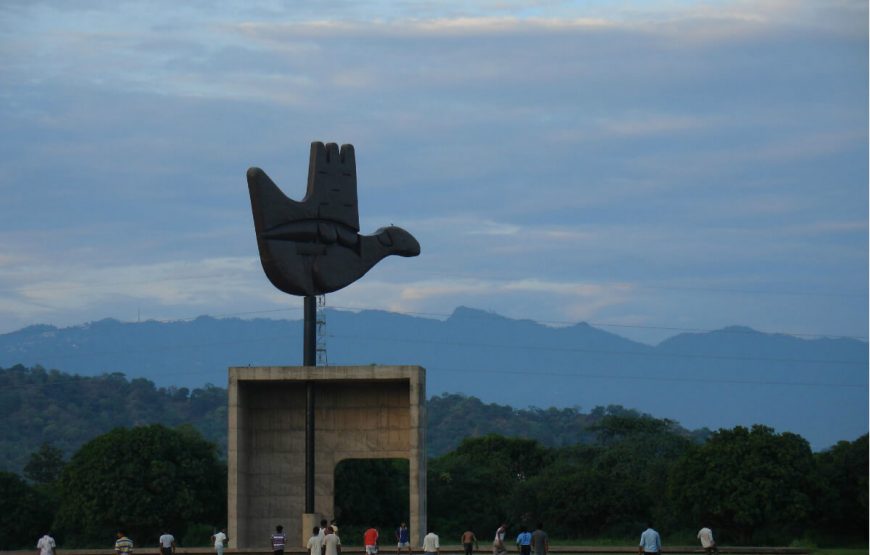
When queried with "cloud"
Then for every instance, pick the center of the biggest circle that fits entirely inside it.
(552, 147)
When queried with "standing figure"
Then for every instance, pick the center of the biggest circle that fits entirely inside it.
(279, 539)
(650, 542)
(315, 542)
(430, 544)
(167, 544)
(46, 545)
(331, 543)
(468, 541)
(707, 542)
(524, 542)
(123, 545)
(540, 540)
(370, 540)
(498, 547)
(403, 538)
(220, 541)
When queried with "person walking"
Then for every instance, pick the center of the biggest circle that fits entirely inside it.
(331, 543)
(540, 540)
(46, 545)
(650, 542)
(498, 547)
(430, 544)
(468, 541)
(315, 542)
(707, 541)
(370, 541)
(279, 539)
(403, 538)
(524, 542)
(167, 544)
(219, 539)
(123, 545)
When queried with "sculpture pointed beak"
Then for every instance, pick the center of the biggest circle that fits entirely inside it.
(399, 241)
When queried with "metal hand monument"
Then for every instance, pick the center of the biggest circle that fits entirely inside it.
(314, 247)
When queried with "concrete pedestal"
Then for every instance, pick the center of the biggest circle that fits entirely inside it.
(361, 412)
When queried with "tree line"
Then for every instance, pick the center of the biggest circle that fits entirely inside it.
(751, 485)
(39, 405)
(586, 475)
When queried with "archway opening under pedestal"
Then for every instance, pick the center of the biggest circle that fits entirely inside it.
(371, 493)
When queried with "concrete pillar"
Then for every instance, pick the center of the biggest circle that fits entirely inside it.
(362, 412)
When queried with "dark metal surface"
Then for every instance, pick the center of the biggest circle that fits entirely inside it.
(309, 359)
(309, 332)
(309, 447)
(314, 247)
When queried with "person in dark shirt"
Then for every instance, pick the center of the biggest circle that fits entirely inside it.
(279, 539)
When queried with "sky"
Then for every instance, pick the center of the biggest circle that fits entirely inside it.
(648, 167)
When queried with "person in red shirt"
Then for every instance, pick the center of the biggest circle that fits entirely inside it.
(370, 540)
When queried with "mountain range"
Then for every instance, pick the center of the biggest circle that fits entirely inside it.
(733, 376)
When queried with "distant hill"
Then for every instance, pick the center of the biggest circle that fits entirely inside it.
(66, 411)
(814, 387)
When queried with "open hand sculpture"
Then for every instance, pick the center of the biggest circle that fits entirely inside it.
(314, 247)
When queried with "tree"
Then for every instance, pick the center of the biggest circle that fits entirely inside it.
(141, 479)
(842, 503)
(45, 465)
(753, 485)
(473, 485)
(610, 489)
(25, 513)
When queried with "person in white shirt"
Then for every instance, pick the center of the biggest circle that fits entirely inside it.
(46, 545)
(220, 540)
(498, 547)
(430, 544)
(707, 542)
(315, 542)
(167, 544)
(331, 543)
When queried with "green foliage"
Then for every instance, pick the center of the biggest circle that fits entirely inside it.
(750, 485)
(40, 406)
(141, 479)
(47, 406)
(198, 535)
(841, 507)
(371, 492)
(601, 474)
(473, 485)
(45, 465)
(25, 513)
(610, 489)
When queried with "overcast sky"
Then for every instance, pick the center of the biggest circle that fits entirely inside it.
(646, 167)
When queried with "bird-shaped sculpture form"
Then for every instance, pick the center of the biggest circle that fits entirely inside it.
(314, 247)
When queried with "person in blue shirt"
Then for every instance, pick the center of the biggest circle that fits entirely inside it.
(403, 538)
(524, 542)
(650, 542)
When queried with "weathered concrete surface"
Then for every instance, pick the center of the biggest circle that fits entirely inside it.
(361, 412)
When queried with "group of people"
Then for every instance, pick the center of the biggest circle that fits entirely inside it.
(651, 541)
(526, 541)
(325, 541)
